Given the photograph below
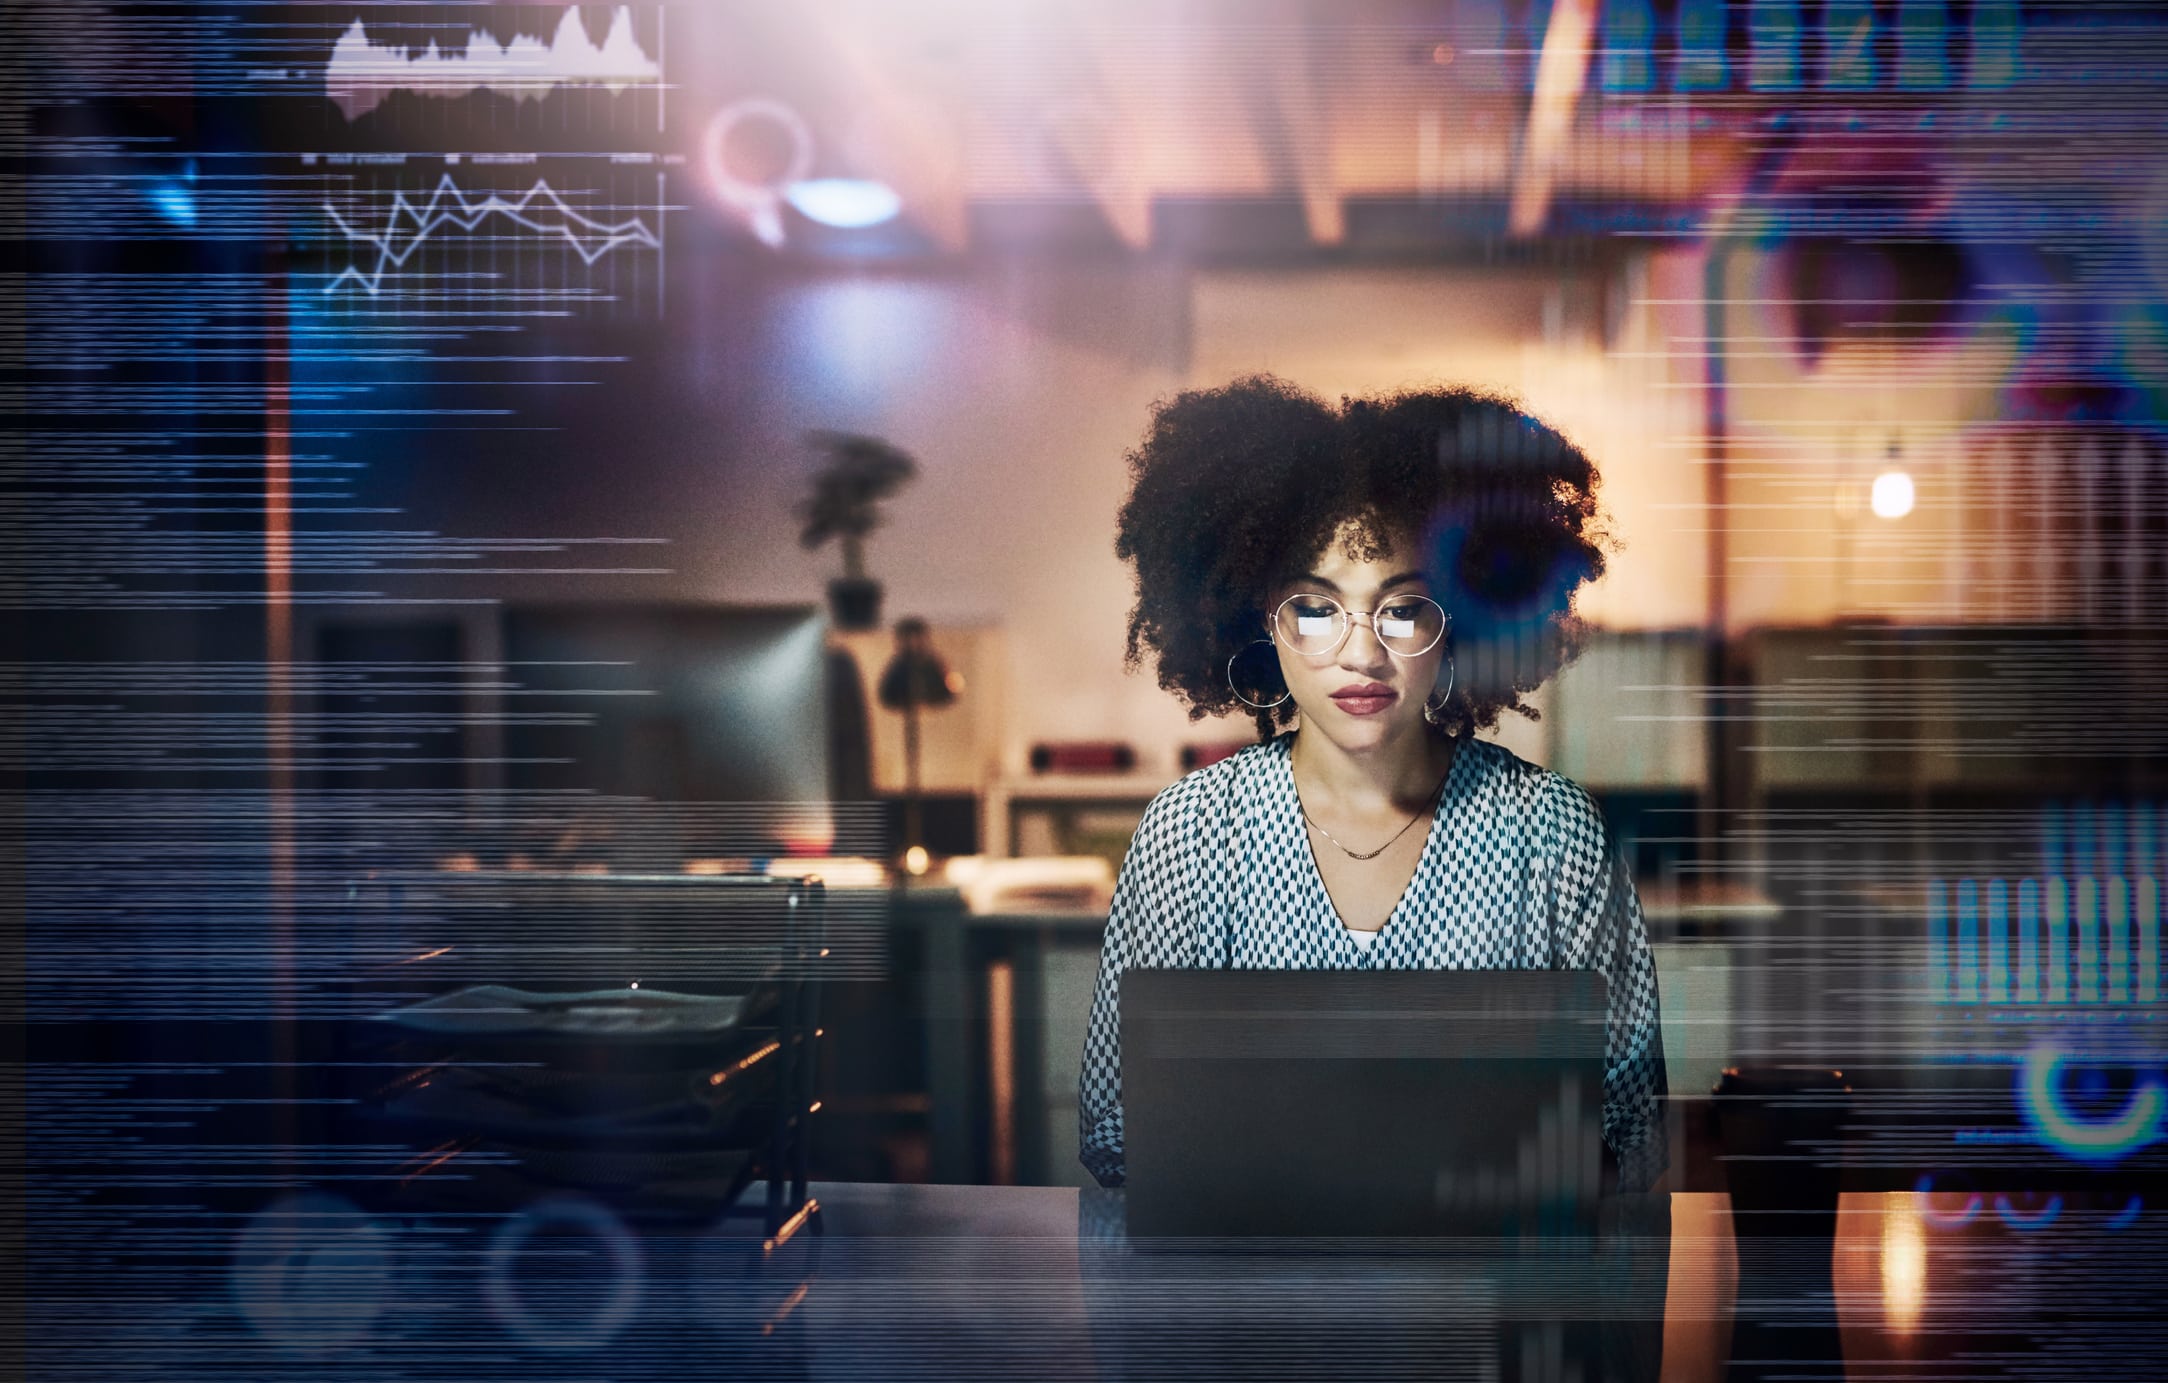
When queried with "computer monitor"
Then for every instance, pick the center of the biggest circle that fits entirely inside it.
(681, 703)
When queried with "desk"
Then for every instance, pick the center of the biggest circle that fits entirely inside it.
(953, 997)
(1037, 1283)
(1063, 796)
(1042, 1283)
(1029, 1128)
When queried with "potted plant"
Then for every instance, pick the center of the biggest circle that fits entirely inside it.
(857, 474)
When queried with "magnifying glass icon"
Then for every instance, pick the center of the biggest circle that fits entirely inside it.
(758, 200)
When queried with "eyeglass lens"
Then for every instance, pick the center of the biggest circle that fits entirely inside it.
(1316, 624)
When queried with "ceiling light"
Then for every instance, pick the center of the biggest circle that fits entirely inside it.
(1892, 495)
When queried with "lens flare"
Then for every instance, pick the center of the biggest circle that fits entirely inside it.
(1904, 1263)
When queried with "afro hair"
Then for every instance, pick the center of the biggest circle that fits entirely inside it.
(1236, 490)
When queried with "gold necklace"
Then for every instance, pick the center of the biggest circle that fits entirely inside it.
(1428, 803)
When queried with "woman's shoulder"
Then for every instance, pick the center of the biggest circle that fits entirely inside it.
(1495, 772)
(1548, 800)
(1210, 793)
(1186, 828)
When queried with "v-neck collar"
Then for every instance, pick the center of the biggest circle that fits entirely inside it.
(1321, 897)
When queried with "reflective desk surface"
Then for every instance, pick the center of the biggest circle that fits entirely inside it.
(962, 1282)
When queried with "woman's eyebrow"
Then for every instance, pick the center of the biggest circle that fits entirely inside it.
(1400, 579)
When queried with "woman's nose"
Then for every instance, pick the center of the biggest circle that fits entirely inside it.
(1361, 649)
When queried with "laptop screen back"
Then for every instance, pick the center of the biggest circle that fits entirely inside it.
(1352, 1102)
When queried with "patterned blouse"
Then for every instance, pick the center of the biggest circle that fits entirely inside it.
(1518, 873)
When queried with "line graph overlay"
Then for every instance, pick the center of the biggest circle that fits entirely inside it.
(540, 210)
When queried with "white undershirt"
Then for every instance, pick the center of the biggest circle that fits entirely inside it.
(1363, 940)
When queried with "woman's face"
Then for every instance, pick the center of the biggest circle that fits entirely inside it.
(1362, 695)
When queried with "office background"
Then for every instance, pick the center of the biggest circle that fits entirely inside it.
(414, 410)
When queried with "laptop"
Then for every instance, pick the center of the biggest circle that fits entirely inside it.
(1362, 1102)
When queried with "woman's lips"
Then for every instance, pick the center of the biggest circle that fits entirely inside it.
(1364, 703)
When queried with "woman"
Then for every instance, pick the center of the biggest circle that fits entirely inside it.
(1391, 576)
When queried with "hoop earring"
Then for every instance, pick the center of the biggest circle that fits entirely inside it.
(1434, 705)
(1253, 705)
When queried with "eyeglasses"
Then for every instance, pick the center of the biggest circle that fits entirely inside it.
(1315, 625)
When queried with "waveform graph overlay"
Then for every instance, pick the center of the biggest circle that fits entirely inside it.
(535, 246)
(370, 62)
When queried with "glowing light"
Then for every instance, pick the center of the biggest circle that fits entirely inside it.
(1561, 68)
(174, 203)
(837, 871)
(1904, 1263)
(2089, 1140)
(845, 203)
(1892, 495)
(746, 1062)
(790, 1227)
(916, 859)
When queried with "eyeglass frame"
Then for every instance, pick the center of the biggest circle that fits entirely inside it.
(1272, 626)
